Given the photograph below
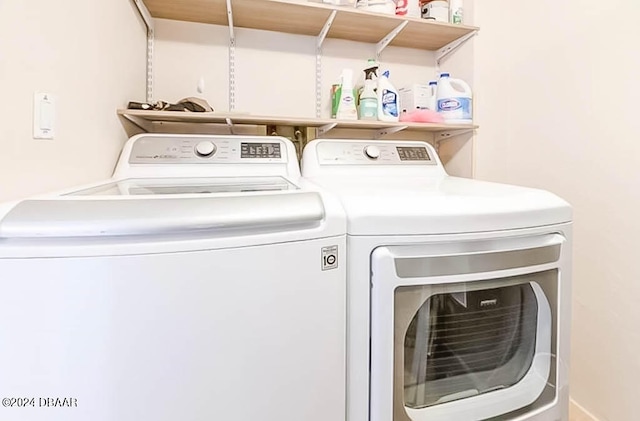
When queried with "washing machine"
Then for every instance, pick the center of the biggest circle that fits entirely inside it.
(202, 282)
(458, 296)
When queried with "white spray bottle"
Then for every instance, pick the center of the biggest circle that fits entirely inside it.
(347, 101)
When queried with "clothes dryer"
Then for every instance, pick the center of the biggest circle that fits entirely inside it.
(458, 290)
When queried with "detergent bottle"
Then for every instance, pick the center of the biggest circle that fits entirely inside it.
(368, 104)
(454, 100)
(388, 109)
(368, 101)
(346, 101)
(433, 93)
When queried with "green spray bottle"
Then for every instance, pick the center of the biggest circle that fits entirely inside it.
(368, 99)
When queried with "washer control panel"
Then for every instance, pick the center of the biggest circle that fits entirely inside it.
(200, 150)
(378, 153)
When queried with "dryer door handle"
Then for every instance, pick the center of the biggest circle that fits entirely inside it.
(467, 258)
(141, 217)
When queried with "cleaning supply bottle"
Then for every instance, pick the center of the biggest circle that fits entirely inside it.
(388, 109)
(454, 100)
(346, 100)
(371, 71)
(456, 12)
(369, 101)
(433, 93)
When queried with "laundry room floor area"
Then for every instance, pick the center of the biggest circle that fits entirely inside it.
(578, 414)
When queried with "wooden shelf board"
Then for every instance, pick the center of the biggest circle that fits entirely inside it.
(309, 19)
(292, 18)
(220, 118)
(203, 11)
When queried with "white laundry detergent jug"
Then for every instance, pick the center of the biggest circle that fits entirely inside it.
(454, 100)
(433, 93)
(388, 109)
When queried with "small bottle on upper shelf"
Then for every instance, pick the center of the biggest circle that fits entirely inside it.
(456, 12)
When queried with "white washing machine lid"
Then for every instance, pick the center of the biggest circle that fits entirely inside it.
(186, 185)
(165, 206)
(441, 205)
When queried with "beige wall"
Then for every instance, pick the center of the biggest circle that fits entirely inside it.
(557, 92)
(91, 55)
(275, 72)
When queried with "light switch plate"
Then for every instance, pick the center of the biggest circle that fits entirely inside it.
(44, 113)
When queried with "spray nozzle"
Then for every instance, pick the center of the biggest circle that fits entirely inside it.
(371, 69)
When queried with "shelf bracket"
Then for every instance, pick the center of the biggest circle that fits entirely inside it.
(390, 37)
(140, 122)
(319, 41)
(144, 13)
(442, 53)
(389, 130)
(325, 29)
(148, 22)
(230, 126)
(446, 135)
(322, 130)
(232, 58)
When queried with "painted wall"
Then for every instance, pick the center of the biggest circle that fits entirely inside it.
(557, 93)
(91, 55)
(275, 74)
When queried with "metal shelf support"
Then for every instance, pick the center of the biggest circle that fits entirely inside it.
(387, 40)
(446, 135)
(142, 123)
(148, 21)
(325, 29)
(230, 125)
(389, 130)
(322, 130)
(232, 58)
(445, 51)
(319, 41)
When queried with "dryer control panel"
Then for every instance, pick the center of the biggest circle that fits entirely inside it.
(374, 153)
(364, 158)
(206, 150)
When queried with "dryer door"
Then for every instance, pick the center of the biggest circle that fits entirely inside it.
(466, 334)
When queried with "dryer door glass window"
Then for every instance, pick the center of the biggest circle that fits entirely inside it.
(469, 343)
(466, 340)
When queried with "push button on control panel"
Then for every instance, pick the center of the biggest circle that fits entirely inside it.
(205, 149)
(372, 152)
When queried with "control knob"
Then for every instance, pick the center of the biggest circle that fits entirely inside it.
(205, 149)
(372, 152)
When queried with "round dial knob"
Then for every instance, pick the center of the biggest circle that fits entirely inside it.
(205, 148)
(372, 152)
